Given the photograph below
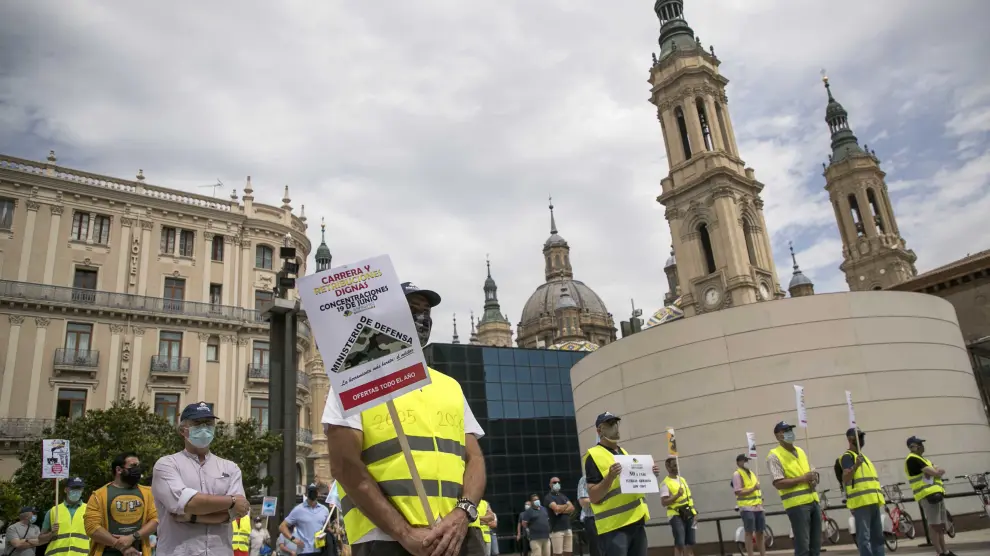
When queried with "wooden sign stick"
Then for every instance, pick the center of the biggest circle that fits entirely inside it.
(404, 444)
(55, 510)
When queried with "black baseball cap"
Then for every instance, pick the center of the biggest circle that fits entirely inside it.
(782, 426)
(75, 482)
(197, 411)
(606, 417)
(27, 510)
(408, 288)
(742, 457)
(915, 440)
(853, 431)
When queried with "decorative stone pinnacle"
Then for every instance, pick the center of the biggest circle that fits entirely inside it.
(302, 212)
(140, 175)
(248, 189)
(790, 245)
(553, 223)
(51, 157)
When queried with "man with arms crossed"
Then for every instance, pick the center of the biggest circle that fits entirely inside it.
(746, 485)
(121, 515)
(795, 480)
(926, 484)
(560, 508)
(382, 513)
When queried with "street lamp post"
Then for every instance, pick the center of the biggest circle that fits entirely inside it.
(283, 318)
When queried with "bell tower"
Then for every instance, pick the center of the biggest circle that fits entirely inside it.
(714, 208)
(874, 255)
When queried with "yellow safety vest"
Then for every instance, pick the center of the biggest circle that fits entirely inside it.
(241, 539)
(754, 498)
(919, 487)
(433, 420)
(685, 501)
(482, 511)
(865, 487)
(71, 537)
(795, 465)
(615, 510)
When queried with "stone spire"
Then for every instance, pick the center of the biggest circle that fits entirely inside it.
(675, 33)
(474, 333)
(844, 141)
(556, 252)
(455, 339)
(323, 256)
(553, 222)
(248, 191)
(800, 285)
(286, 200)
(493, 328)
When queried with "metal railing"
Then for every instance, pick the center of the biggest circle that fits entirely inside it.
(304, 330)
(171, 365)
(302, 380)
(28, 291)
(77, 357)
(23, 429)
(304, 436)
(258, 372)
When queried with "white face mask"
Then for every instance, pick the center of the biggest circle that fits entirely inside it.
(789, 436)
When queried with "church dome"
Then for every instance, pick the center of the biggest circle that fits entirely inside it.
(799, 279)
(544, 299)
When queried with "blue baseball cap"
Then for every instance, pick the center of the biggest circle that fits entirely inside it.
(75, 482)
(915, 440)
(197, 411)
(782, 426)
(27, 510)
(606, 417)
(408, 288)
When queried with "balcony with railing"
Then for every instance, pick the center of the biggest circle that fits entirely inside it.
(302, 380)
(170, 367)
(86, 361)
(23, 429)
(258, 374)
(304, 436)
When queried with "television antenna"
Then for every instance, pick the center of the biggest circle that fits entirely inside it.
(214, 186)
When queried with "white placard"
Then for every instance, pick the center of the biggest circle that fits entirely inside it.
(852, 412)
(802, 410)
(637, 475)
(54, 459)
(364, 332)
(751, 445)
(268, 504)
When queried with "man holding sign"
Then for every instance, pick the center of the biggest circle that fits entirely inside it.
(795, 480)
(382, 513)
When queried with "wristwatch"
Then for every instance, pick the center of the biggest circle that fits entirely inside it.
(137, 536)
(192, 518)
(469, 508)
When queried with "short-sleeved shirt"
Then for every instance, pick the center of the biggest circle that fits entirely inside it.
(591, 473)
(583, 493)
(333, 414)
(307, 521)
(915, 467)
(20, 531)
(46, 525)
(538, 523)
(558, 522)
(737, 485)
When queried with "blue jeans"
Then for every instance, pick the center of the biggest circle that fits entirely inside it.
(869, 530)
(627, 541)
(683, 531)
(806, 524)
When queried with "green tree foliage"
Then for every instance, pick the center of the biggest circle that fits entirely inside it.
(10, 502)
(99, 435)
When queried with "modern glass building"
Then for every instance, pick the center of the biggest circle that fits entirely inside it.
(522, 399)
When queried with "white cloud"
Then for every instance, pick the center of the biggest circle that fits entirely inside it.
(450, 122)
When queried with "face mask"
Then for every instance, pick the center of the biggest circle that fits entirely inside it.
(789, 436)
(74, 496)
(34, 518)
(528, 506)
(257, 525)
(536, 503)
(555, 487)
(131, 475)
(610, 432)
(598, 439)
(424, 325)
(201, 436)
(862, 441)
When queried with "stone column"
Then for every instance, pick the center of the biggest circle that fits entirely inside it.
(866, 212)
(139, 367)
(229, 264)
(10, 363)
(714, 127)
(727, 120)
(227, 370)
(28, 244)
(149, 249)
(113, 363)
(693, 125)
(244, 284)
(124, 246)
(41, 324)
(732, 248)
(673, 137)
(242, 362)
(207, 259)
(204, 337)
(53, 244)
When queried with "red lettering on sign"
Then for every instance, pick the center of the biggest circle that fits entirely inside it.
(383, 386)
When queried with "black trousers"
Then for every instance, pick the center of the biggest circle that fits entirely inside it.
(474, 545)
(591, 535)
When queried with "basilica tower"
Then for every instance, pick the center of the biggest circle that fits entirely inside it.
(874, 255)
(714, 209)
(493, 328)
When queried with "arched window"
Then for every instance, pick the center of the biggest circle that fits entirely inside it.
(857, 216)
(706, 132)
(748, 234)
(877, 288)
(875, 207)
(706, 248)
(721, 125)
(556, 260)
(263, 257)
(682, 128)
(299, 475)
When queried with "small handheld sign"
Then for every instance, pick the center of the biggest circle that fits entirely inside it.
(268, 504)
(55, 464)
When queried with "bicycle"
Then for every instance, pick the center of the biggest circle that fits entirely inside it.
(950, 525)
(741, 537)
(902, 524)
(981, 485)
(830, 528)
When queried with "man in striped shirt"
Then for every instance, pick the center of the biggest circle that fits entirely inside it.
(796, 480)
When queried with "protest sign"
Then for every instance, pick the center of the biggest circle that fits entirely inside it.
(852, 413)
(54, 459)
(751, 445)
(365, 333)
(637, 475)
(802, 410)
(268, 504)
(671, 444)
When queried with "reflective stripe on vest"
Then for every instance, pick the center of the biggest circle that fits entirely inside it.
(674, 485)
(482, 511)
(433, 420)
(754, 498)
(794, 465)
(615, 509)
(919, 487)
(71, 537)
(241, 536)
(865, 487)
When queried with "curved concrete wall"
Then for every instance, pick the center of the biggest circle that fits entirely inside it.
(716, 376)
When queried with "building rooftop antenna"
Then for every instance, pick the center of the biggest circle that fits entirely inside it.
(214, 186)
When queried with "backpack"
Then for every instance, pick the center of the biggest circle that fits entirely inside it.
(838, 469)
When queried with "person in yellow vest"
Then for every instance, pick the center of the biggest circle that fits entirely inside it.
(675, 495)
(925, 479)
(121, 516)
(864, 498)
(620, 519)
(796, 480)
(484, 523)
(241, 538)
(68, 523)
(382, 513)
(749, 498)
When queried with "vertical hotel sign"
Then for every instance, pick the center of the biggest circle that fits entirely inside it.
(364, 332)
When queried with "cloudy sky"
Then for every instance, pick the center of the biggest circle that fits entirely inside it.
(435, 130)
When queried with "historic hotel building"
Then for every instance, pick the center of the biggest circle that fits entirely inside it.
(113, 288)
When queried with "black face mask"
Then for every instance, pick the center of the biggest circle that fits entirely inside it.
(131, 476)
(311, 494)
